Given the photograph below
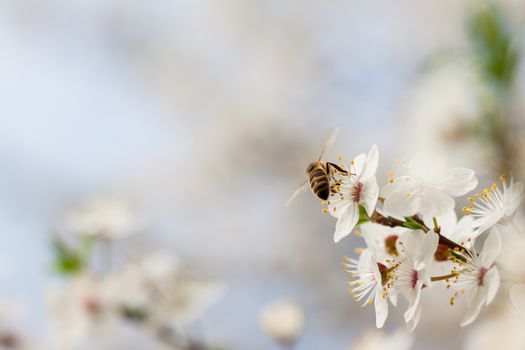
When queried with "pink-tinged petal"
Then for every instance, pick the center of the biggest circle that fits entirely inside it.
(474, 306)
(517, 298)
(436, 202)
(491, 282)
(346, 222)
(459, 181)
(369, 195)
(381, 306)
(491, 249)
(359, 165)
(405, 201)
(372, 162)
(418, 245)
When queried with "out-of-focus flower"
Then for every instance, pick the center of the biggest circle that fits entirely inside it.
(517, 298)
(477, 277)
(104, 217)
(416, 250)
(11, 338)
(495, 206)
(349, 191)
(78, 309)
(161, 291)
(368, 283)
(380, 340)
(428, 189)
(499, 331)
(282, 321)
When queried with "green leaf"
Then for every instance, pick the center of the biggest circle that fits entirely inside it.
(68, 260)
(413, 225)
(363, 216)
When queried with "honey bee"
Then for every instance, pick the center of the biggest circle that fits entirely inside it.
(318, 173)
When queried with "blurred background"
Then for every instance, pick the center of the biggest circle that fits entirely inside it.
(202, 115)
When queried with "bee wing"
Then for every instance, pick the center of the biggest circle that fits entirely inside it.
(329, 142)
(300, 189)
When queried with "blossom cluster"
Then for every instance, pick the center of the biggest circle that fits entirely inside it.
(413, 237)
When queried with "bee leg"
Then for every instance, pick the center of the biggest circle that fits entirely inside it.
(330, 166)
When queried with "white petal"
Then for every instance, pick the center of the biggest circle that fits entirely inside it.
(404, 201)
(381, 305)
(474, 306)
(393, 299)
(359, 164)
(418, 245)
(491, 249)
(369, 195)
(414, 296)
(371, 163)
(426, 166)
(517, 297)
(436, 202)
(491, 282)
(412, 324)
(459, 181)
(346, 222)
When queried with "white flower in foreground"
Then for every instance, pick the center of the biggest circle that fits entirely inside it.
(495, 206)
(477, 278)
(416, 251)
(106, 217)
(379, 340)
(282, 321)
(348, 191)
(428, 189)
(371, 282)
(381, 240)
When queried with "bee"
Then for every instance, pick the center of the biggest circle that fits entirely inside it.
(318, 173)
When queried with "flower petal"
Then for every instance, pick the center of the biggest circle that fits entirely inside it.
(459, 181)
(491, 282)
(404, 201)
(346, 222)
(436, 202)
(474, 306)
(372, 162)
(381, 305)
(413, 298)
(418, 245)
(358, 164)
(369, 194)
(491, 249)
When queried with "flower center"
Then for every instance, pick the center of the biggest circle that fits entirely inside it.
(355, 193)
(481, 276)
(413, 279)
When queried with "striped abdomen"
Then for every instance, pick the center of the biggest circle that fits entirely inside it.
(318, 180)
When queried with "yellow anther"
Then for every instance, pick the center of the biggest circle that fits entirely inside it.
(502, 178)
(494, 186)
(358, 250)
(334, 209)
(391, 181)
(324, 210)
(340, 157)
(407, 194)
(352, 162)
(470, 200)
(476, 195)
(390, 174)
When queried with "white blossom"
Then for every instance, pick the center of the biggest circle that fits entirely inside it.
(416, 250)
(349, 191)
(428, 189)
(494, 206)
(282, 320)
